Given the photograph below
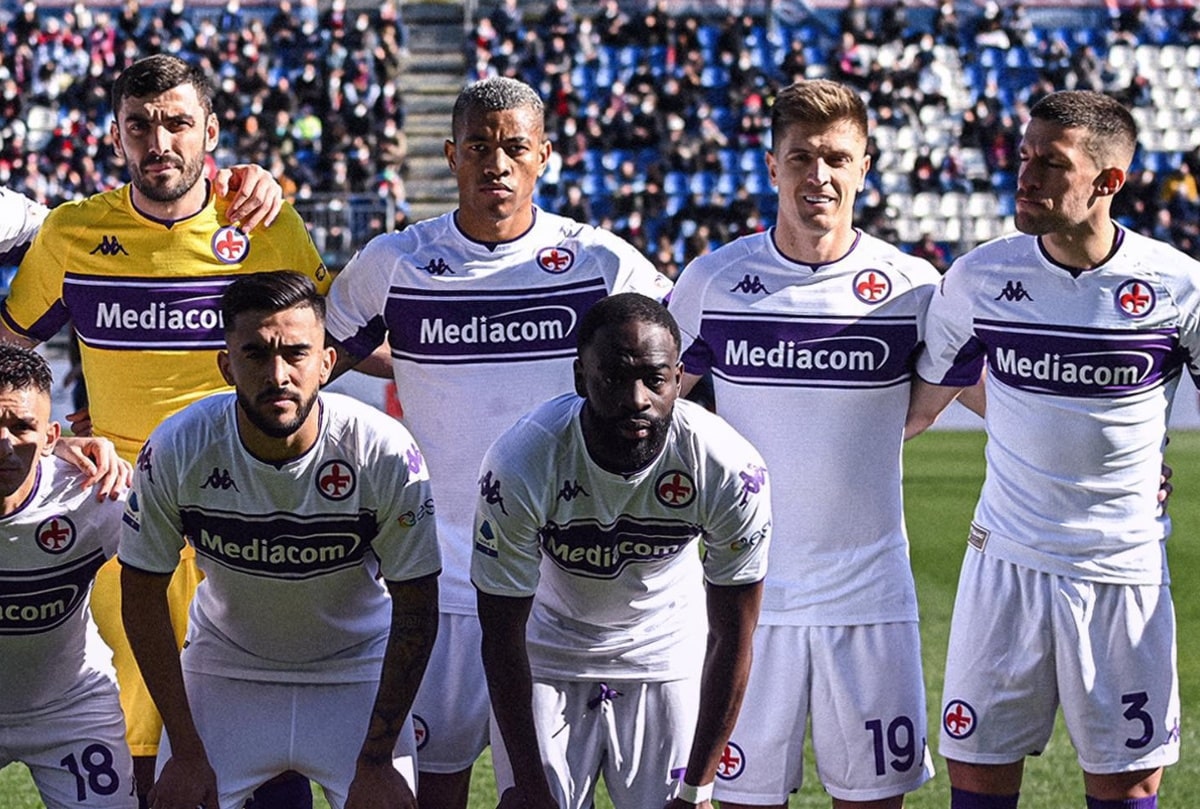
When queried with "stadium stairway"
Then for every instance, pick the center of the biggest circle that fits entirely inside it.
(430, 83)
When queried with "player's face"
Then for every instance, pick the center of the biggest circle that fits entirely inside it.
(277, 362)
(497, 157)
(819, 170)
(630, 376)
(1057, 182)
(164, 139)
(27, 433)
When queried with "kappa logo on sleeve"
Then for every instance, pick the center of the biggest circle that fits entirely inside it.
(489, 490)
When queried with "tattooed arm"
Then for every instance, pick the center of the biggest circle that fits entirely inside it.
(414, 626)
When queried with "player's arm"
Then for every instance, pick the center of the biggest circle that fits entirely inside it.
(378, 363)
(414, 626)
(255, 197)
(187, 779)
(510, 685)
(926, 402)
(732, 616)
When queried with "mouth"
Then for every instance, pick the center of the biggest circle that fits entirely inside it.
(160, 166)
(818, 199)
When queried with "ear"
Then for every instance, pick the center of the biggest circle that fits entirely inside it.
(544, 154)
(53, 431)
(772, 168)
(580, 383)
(212, 130)
(115, 132)
(448, 150)
(1110, 181)
(862, 180)
(327, 363)
(223, 365)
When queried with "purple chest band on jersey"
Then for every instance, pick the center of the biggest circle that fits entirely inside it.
(1089, 363)
(816, 351)
(141, 314)
(34, 601)
(482, 326)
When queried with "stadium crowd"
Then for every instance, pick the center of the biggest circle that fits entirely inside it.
(657, 116)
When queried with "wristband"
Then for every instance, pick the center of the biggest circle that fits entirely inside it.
(691, 794)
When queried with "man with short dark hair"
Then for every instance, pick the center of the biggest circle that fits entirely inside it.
(1085, 329)
(479, 308)
(311, 518)
(59, 711)
(592, 596)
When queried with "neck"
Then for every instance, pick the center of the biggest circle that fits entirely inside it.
(808, 247)
(492, 231)
(1083, 249)
(278, 450)
(189, 204)
(12, 502)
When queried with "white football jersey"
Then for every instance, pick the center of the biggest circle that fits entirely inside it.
(1082, 367)
(480, 334)
(611, 559)
(290, 551)
(813, 364)
(52, 547)
(20, 218)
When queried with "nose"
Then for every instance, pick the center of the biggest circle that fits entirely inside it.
(636, 396)
(159, 140)
(497, 164)
(279, 372)
(820, 172)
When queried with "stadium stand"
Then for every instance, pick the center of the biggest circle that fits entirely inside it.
(658, 109)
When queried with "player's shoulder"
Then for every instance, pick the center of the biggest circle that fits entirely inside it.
(203, 422)
(879, 254)
(712, 435)
(537, 434)
(86, 212)
(735, 258)
(351, 423)
(1160, 257)
(61, 489)
(386, 249)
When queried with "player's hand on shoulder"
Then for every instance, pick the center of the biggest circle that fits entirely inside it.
(185, 783)
(255, 197)
(97, 458)
(378, 785)
(514, 798)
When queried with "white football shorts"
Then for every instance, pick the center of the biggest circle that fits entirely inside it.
(76, 751)
(862, 689)
(451, 710)
(1022, 642)
(253, 731)
(636, 734)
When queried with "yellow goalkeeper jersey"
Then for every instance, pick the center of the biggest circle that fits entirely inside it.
(144, 297)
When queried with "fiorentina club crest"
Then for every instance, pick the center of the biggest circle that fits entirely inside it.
(230, 245)
(555, 260)
(335, 480)
(56, 534)
(1135, 299)
(675, 489)
(872, 286)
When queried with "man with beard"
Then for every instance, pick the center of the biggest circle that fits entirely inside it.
(138, 271)
(591, 593)
(1085, 328)
(311, 517)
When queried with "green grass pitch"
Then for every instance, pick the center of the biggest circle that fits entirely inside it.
(943, 472)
